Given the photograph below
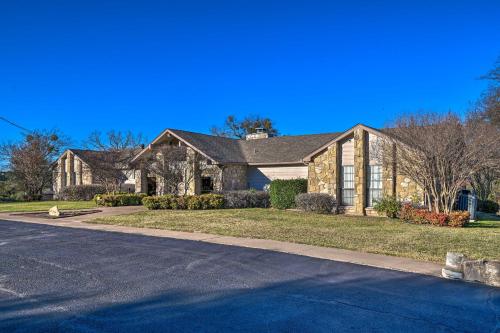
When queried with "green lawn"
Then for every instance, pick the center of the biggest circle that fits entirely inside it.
(367, 234)
(44, 205)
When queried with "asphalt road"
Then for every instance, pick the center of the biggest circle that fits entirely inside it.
(70, 280)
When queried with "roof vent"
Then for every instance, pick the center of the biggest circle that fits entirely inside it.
(260, 133)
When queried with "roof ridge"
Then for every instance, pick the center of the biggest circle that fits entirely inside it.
(204, 134)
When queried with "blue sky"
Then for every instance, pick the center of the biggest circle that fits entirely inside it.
(312, 66)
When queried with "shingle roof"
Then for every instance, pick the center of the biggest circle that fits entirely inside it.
(87, 155)
(283, 149)
(90, 156)
(223, 150)
(274, 150)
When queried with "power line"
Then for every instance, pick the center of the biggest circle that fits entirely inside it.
(14, 124)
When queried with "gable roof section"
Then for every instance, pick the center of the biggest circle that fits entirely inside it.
(219, 149)
(274, 150)
(342, 136)
(89, 157)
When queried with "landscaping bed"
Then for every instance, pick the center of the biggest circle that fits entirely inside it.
(367, 234)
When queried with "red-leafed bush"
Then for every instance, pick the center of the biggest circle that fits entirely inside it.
(438, 219)
(420, 216)
(407, 212)
(458, 219)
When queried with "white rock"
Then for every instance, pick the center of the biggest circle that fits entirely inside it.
(454, 260)
(54, 211)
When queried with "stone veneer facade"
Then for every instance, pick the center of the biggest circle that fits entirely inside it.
(324, 175)
(70, 170)
(224, 177)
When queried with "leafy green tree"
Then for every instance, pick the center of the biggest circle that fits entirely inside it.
(30, 161)
(234, 128)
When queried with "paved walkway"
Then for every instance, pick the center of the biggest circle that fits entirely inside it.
(367, 259)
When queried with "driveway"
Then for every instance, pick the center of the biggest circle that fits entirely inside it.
(74, 280)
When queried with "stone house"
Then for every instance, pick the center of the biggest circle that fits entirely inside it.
(341, 164)
(73, 168)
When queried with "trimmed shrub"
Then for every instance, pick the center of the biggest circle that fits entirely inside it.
(411, 214)
(204, 201)
(420, 216)
(388, 205)
(315, 202)
(120, 199)
(160, 202)
(193, 202)
(81, 192)
(487, 206)
(246, 199)
(437, 219)
(283, 192)
(458, 219)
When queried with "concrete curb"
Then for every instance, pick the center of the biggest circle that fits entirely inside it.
(354, 257)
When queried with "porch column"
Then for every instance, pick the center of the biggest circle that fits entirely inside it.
(141, 181)
(60, 177)
(78, 171)
(70, 169)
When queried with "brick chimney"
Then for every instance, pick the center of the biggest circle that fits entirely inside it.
(260, 133)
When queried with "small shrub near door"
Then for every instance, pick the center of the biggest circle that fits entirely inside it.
(388, 205)
(283, 192)
(315, 202)
(246, 199)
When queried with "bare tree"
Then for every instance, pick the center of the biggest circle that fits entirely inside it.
(111, 155)
(489, 103)
(30, 161)
(234, 128)
(442, 153)
(483, 183)
(175, 167)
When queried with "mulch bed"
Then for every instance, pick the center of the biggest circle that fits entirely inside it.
(64, 214)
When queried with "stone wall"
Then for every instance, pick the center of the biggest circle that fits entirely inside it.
(324, 175)
(213, 171)
(141, 180)
(70, 170)
(322, 172)
(408, 190)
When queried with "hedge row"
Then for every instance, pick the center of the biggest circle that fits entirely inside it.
(193, 202)
(119, 199)
(283, 192)
(409, 213)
